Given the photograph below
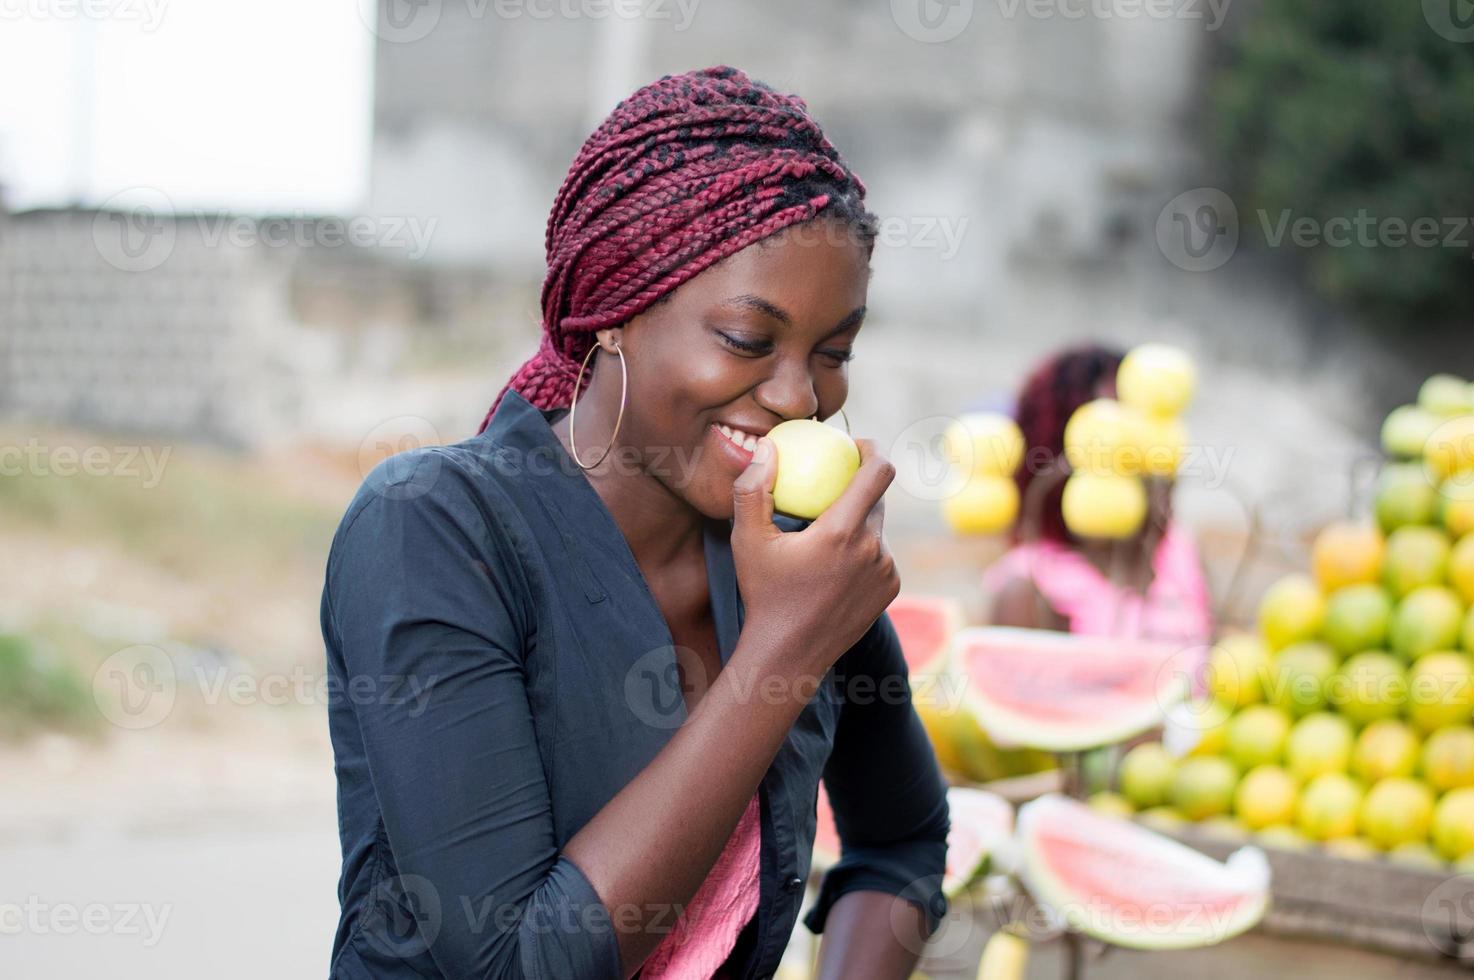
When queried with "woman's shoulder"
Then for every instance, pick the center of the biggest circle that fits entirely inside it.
(428, 493)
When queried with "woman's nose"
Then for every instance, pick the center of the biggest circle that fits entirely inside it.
(790, 393)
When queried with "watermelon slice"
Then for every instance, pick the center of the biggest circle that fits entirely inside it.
(1062, 692)
(982, 822)
(925, 625)
(1129, 886)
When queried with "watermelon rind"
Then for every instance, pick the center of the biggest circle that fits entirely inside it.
(1011, 725)
(1174, 883)
(981, 823)
(950, 621)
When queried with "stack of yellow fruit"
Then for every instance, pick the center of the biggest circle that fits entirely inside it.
(1111, 444)
(1348, 720)
(985, 448)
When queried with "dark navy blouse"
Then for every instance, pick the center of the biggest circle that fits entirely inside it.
(499, 670)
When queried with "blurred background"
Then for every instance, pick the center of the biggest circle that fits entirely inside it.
(248, 250)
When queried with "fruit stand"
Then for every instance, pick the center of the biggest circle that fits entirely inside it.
(1331, 746)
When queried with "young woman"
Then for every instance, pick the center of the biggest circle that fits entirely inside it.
(586, 682)
(1150, 585)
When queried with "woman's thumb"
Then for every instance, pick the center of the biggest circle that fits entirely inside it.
(752, 493)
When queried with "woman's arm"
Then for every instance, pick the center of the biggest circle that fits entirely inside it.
(458, 776)
(1020, 603)
(880, 902)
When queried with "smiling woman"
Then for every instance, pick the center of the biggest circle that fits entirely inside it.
(636, 675)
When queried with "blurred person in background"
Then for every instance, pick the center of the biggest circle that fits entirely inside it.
(628, 670)
(1150, 585)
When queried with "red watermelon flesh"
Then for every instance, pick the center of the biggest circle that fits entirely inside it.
(1061, 692)
(925, 626)
(1131, 886)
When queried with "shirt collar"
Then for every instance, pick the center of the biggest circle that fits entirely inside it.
(525, 429)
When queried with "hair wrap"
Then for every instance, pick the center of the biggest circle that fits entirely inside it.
(685, 172)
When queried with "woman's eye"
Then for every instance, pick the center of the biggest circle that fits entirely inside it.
(751, 347)
(839, 355)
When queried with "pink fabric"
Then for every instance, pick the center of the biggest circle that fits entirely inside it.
(1176, 606)
(705, 935)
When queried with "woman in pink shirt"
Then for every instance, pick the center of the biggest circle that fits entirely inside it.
(1150, 585)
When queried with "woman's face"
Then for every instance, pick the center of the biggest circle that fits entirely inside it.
(759, 338)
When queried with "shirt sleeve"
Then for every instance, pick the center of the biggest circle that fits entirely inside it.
(885, 787)
(423, 591)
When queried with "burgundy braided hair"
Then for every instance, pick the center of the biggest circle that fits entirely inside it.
(1050, 395)
(685, 172)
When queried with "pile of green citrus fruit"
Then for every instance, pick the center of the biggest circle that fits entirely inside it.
(1347, 720)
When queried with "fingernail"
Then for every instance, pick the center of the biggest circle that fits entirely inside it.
(763, 451)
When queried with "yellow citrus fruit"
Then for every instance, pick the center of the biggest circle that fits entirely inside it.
(1406, 430)
(1265, 796)
(1456, 504)
(1385, 748)
(1450, 447)
(1103, 506)
(1396, 811)
(1440, 691)
(1347, 554)
(1105, 437)
(1327, 807)
(1237, 668)
(1453, 824)
(1448, 758)
(1292, 610)
(1156, 378)
(1319, 743)
(985, 504)
(985, 442)
(1461, 567)
(1163, 442)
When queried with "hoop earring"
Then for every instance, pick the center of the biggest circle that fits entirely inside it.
(846, 418)
(624, 390)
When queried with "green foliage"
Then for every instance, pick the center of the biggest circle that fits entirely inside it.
(37, 689)
(1347, 109)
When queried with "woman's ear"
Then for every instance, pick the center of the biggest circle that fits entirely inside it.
(610, 336)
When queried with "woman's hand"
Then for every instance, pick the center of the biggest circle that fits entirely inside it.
(818, 590)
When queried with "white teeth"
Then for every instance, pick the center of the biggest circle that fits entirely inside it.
(746, 440)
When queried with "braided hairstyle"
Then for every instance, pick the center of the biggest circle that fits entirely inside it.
(685, 172)
(1048, 398)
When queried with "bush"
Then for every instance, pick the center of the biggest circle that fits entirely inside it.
(39, 691)
(1347, 109)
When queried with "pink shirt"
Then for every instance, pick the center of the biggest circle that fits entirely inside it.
(704, 936)
(1176, 605)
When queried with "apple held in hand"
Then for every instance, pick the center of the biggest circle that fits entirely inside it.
(815, 463)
